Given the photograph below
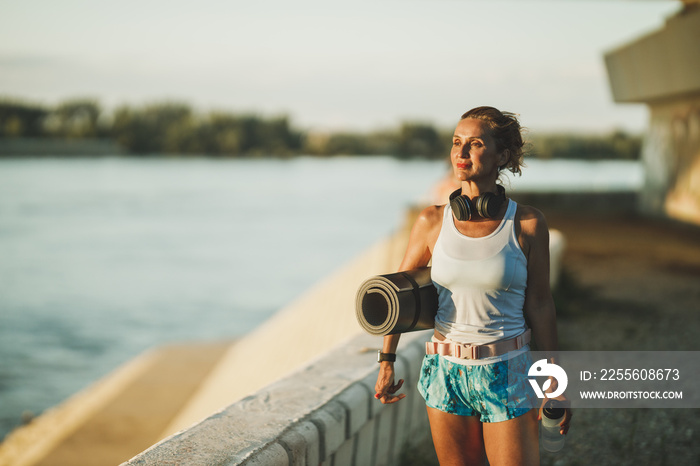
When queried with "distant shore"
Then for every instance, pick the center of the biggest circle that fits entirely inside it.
(34, 147)
(177, 128)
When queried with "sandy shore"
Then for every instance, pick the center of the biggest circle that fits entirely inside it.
(628, 283)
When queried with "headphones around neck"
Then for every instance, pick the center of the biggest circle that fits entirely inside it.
(486, 205)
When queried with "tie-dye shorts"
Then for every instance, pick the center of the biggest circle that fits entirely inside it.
(482, 390)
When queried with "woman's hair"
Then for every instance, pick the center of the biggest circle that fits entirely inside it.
(506, 131)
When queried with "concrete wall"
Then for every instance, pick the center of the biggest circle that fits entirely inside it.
(324, 414)
(662, 69)
(320, 319)
(671, 156)
(658, 65)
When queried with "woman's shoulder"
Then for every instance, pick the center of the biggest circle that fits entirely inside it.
(429, 219)
(530, 220)
(431, 215)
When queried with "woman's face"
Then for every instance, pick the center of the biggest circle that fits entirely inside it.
(474, 156)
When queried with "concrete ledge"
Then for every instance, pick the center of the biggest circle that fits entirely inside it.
(302, 442)
(323, 414)
(320, 319)
(660, 65)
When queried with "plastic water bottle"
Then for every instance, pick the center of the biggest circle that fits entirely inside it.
(552, 415)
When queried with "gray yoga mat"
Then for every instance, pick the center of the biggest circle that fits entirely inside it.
(397, 302)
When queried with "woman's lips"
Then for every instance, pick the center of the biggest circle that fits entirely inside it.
(463, 166)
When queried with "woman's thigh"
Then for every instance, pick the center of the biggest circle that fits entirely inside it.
(458, 439)
(513, 442)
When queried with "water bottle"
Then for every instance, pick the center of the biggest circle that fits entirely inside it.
(552, 415)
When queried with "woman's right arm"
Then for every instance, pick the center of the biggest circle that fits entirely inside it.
(418, 253)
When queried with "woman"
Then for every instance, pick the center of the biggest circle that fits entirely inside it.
(490, 265)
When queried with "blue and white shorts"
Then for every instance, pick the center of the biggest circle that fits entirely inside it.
(482, 390)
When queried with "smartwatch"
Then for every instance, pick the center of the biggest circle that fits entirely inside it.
(391, 357)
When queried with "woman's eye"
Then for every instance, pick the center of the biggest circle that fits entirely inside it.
(455, 143)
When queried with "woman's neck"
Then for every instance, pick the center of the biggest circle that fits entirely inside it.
(474, 189)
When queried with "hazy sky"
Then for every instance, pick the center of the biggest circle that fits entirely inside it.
(331, 64)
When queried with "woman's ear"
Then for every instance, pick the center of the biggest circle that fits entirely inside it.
(505, 155)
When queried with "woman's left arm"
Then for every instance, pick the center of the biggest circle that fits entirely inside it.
(539, 309)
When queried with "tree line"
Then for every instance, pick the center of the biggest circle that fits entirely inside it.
(175, 128)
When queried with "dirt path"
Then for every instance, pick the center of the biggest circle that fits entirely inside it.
(629, 284)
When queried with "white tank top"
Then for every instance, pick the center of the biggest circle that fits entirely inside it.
(481, 285)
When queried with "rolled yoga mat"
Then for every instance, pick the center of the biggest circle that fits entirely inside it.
(397, 302)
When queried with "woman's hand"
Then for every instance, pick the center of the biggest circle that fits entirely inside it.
(418, 253)
(385, 387)
(564, 424)
(553, 385)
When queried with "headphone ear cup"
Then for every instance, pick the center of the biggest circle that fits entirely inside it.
(485, 205)
(462, 207)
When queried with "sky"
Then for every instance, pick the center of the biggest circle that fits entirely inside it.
(330, 65)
